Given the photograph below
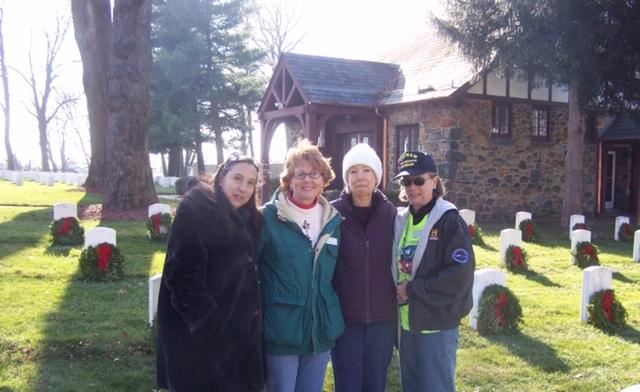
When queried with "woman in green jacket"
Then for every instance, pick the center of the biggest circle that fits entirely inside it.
(302, 316)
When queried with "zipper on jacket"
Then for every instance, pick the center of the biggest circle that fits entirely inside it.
(368, 282)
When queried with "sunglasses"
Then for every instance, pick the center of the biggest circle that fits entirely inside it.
(408, 181)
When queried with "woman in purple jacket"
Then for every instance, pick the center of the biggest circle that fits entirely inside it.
(363, 277)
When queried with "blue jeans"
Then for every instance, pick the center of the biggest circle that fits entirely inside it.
(428, 361)
(299, 373)
(362, 355)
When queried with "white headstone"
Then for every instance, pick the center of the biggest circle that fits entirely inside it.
(64, 210)
(579, 236)
(509, 237)
(573, 220)
(99, 235)
(159, 208)
(469, 216)
(636, 246)
(632, 388)
(51, 179)
(594, 279)
(154, 292)
(520, 216)
(18, 179)
(620, 220)
(483, 278)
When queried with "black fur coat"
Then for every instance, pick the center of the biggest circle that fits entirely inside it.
(209, 318)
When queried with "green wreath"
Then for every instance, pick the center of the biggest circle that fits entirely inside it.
(476, 234)
(158, 226)
(606, 312)
(580, 226)
(625, 232)
(515, 259)
(102, 263)
(66, 231)
(529, 231)
(499, 311)
(585, 255)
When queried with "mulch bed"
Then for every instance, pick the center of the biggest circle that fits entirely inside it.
(96, 212)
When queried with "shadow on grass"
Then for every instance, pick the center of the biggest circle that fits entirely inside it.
(539, 278)
(58, 250)
(486, 246)
(622, 278)
(631, 335)
(533, 351)
(24, 231)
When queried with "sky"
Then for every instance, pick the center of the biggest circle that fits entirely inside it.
(356, 29)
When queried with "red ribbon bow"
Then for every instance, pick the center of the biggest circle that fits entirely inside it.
(472, 231)
(607, 304)
(501, 303)
(518, 259)
(155, 219)
(104, 252)
(66, 226)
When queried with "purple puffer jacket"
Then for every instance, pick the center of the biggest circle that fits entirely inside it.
(362, 277)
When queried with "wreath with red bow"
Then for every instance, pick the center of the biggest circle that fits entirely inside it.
(529, 231)
(475, 232)
(102, 262)
(66, 231)
(625, 232)
(158, 226)
(585, 255)
(499, 311)
(580, 226)
(606, 312)
(515, 259)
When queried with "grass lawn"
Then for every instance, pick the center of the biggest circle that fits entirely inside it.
(59, 333)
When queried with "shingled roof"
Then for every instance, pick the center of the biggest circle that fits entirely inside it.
(330, 80)
(623, 128)
(425, 68)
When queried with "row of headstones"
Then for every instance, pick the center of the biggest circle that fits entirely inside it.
(93, 237)
(70, 210)
(509, 237)
(165, 182)
(594, 279)
(44, 178)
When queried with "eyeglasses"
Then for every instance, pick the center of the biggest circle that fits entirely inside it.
(407, 181)
(313, 174)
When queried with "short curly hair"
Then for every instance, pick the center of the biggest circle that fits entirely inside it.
(305, 151)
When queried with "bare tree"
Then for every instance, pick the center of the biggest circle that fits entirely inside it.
(6, 104)
(276, 29)
(40, 97)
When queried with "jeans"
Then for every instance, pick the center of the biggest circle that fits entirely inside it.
(362, 356)
(299, 373)
(428, 361)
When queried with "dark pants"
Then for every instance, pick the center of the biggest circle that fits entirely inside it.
(362, 356)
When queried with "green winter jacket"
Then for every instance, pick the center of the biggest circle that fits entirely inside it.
(301, 309)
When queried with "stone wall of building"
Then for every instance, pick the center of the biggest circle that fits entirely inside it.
(496, 177)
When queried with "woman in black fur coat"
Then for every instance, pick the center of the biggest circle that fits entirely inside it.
(209, 318)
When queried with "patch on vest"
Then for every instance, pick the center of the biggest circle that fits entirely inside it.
(460, 256)
(433, 235)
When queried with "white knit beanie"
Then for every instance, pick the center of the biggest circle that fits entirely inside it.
(362, 154)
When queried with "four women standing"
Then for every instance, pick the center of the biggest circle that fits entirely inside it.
(210, 334)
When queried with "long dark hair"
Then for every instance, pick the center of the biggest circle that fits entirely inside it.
(212, 188)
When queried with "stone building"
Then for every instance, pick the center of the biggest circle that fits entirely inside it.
(499, 139)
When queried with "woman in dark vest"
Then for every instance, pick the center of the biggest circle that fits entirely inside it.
(209, 320)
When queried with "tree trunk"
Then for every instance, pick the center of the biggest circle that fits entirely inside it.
(175, 161)
(219, 145)
(165, 171)
(44, 143)
(250, 135)
(7, 103)
(200, 156)
(129, 181)
(573, 161)
(92, 25)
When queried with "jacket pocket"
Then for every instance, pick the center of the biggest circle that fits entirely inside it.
(331, 320)
(283, 320)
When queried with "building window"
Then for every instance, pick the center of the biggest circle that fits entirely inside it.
(501, 120)
(408, 138)
(540, 123)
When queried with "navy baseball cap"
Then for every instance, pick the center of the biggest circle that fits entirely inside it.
(414, 163)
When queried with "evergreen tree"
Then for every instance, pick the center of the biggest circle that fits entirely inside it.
(591, 46)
